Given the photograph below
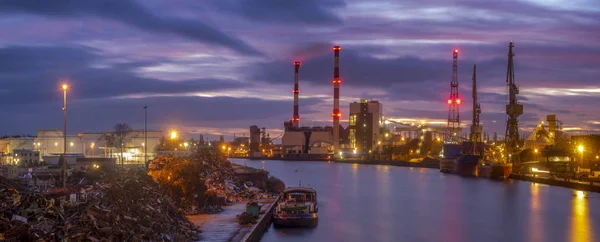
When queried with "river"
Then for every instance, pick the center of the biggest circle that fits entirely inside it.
(387, 203)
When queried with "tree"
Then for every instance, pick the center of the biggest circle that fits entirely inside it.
(117, 137)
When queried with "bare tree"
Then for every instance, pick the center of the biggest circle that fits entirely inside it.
(117, 137)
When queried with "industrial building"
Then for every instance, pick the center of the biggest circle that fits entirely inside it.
(314, 142)
(365, 130)
(50, 143)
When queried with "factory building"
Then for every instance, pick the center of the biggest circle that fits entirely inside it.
(365, 126)
(307, 142)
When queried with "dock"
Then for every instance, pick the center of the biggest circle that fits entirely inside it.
(224, 227)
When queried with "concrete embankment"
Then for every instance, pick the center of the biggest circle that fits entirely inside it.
(263, 223)
(583, 186)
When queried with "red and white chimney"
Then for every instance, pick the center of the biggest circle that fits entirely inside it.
(336, 100)
(296, 117)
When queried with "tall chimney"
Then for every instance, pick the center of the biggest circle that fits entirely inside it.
(336, 100)
(296, 118)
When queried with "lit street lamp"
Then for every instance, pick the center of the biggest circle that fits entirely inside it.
(580, 149)
(145, 133)
(64, 166)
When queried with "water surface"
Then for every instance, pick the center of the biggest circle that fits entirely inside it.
(386, 203)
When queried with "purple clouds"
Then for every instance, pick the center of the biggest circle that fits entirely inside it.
(178, 56)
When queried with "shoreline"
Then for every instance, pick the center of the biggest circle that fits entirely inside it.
(434, 165)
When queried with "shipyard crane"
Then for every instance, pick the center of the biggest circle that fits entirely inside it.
(476, 129)
(513, 109)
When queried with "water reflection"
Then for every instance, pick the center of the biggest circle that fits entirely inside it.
(387, 203)
(580, 226)
(535, 223)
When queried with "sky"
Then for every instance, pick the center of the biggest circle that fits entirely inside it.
(218, 66)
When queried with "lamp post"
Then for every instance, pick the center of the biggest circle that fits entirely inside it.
(145, 134)
(64, 165)
(580, 149)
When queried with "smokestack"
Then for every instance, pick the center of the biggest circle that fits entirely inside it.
(336, 100)
(296, 117)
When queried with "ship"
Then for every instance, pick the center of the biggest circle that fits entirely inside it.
(297, 207)
(466, 165)
(494, 170)
(450, 153)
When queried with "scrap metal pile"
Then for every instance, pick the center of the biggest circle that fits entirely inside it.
(117, 207)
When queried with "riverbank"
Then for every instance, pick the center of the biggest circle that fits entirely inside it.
(573, 184)
(427, 163)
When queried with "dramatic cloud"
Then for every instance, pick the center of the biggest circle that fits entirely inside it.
(130, 13)
(34, 74)
(285, 12)
(119, 55)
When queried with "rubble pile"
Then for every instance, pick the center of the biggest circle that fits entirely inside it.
(117, 207)
(245, 218)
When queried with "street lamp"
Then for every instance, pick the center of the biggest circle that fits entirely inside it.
(64, 165)
(580, 149)
(145, 134)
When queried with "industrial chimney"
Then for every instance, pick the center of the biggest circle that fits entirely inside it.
(336, 100)
(296, 117)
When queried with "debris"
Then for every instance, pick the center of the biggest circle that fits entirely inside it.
(117, 207)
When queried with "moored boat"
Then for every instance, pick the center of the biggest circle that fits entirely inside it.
(297, 207)
(494, 170)
(448, 156)
(466, 165)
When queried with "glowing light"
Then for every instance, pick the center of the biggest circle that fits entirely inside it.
(456, 51)
(354, 151)
(65, 87)
(71, 144)
(536, 150)
(186, 144)
(174, 134)
(223, 147)
(387, 135)
(449, 101)
(533, 169)
(580, 148)
(297, 63)
(55, 144)
(580, 194)
(457, 101)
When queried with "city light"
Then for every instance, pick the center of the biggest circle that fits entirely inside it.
(536, 151)
(580, 148)
(186, 144)
(174, 134)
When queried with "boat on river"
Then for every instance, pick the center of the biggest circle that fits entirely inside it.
(448, 156)
(297, 207)
(494, 170)
(466, 165)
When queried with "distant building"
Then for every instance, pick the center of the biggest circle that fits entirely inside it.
(307, 140)
(255, 141)
(8, 144)
(95, 144)
(365, 126)
(26, 157)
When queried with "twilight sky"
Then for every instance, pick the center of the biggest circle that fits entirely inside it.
(219, 66)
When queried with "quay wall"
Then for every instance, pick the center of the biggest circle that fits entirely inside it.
(261, 226)
(590, 187)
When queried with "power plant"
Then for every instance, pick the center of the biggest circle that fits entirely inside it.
(369, 136)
